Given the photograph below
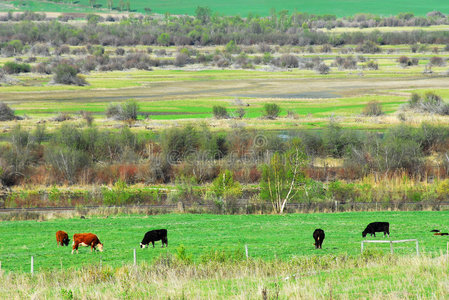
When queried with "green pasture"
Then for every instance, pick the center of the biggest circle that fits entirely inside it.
(243, 8)
(267, 236)
(202, 108)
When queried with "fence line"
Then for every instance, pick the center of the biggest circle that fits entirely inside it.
(391, 242)
(243, 206)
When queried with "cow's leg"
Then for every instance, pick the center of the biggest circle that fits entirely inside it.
(75, 247)
(152, 243)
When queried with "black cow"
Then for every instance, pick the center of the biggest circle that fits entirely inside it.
(318, 235)
(155, 235)
(374, 227)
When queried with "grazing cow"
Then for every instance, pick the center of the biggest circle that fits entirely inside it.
(434, 230)
(441, 233)
(86, 239)
(318, 235)
(62, 238)
(374, 227)
(155, 235)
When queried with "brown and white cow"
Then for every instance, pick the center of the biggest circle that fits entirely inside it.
(86, 240)
(62, 238)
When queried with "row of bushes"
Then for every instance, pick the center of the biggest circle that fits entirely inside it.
(76, 154)
(185, 30)
(383, 192)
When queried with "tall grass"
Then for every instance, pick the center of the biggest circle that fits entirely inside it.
(168, 277)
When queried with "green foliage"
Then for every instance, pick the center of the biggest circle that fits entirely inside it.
(164, 39)
(92, 19)
(177, 143)
(368, 47)
(224, 186)
(67, 74)
(17, 45)
(338, 141)
(220, 112)
(66, 294)
(117, 195)
(182, 255)
(267, 58)
(271, 110)
(232, 47)
(223, 256)
(12, 67)
(125, 111)
(203, 14)
(443, 190)
(283, 176)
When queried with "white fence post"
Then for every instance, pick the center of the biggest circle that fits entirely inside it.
(417, 247)
(135, 258)
(246, 251)
(32, 264)
(361, 247)
(391, 247)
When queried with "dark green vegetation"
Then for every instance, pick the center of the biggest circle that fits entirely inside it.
(243, 8)
(268, 237)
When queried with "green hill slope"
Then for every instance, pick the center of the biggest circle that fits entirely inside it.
(243, 8)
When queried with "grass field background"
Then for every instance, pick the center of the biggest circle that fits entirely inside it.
(243, 8)
(267, 236)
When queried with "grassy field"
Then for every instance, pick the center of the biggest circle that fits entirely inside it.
(182, 95)
(243, 8)
(268, 237)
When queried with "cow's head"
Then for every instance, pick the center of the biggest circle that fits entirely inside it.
(100, 247)
(364, 234)
(66, 241)
(142, 245)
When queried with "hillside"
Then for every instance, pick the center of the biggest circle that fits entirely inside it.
(243, 8)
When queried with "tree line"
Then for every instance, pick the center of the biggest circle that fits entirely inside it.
(206, 28)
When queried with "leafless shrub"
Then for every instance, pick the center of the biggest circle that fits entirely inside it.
(6, 113)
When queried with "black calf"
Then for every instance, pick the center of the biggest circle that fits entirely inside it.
(318, 235)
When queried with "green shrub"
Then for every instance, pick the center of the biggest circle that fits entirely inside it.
(12, 67)
(164, 39)
(271, 110)
(124, 111)
(182, 255)
(225, 186)
(67, 74)
(232, 47)
(220, 112)
(373, 108)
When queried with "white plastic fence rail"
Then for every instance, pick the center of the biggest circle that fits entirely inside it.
(391, 244)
